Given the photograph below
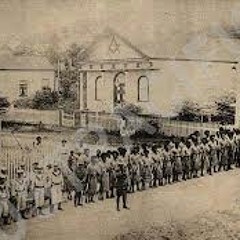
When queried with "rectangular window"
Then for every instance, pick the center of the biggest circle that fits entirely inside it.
(45, 83)
(23, 89)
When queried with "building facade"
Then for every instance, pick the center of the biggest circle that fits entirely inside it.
(22, 76)
(116, 73)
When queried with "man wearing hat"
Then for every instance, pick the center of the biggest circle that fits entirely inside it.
(48, 182)
(4, 172)
(86, 155)
(25, 174)
(92, 179)
(63, 153)
(4, 197)
(212, 154)
(32, 175)
(38, 186)
(79, 183)
(21, 192)
(38, 149)
(57, 187)
(167, 165)
(72, 161)
(121, 185)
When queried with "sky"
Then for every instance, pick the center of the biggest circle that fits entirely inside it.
(202, 29)
(160, 27)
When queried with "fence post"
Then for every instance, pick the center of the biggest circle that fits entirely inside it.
(60, 116)
(86, 118)
(73, 118)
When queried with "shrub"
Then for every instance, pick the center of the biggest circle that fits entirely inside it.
(68, 105)
(45, 99)
(23, 103)
(128, 109)
(4, 104)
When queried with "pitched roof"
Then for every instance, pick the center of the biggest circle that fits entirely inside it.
(110, 45)
(190, 47)
(15, 62)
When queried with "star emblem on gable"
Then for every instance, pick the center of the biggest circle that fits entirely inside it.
(114, 46)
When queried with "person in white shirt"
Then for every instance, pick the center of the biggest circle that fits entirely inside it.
(57, 188)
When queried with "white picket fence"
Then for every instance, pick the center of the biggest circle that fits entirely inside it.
(32, 116)
(183, 128)
(17, 151)
(68, 120)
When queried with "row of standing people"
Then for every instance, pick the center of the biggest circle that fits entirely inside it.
(30, 192)
(151, 165)
(105, 174)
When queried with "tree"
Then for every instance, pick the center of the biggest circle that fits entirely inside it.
(225, 109)
(189, 111)
(69, 70)
(76, 53)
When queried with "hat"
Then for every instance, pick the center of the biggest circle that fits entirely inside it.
(55, 164)
(19, 171)
(120, 162)
(171, 145)
(39, 167)
(181, 144)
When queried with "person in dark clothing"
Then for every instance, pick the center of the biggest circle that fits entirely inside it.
(80, 181)
(121, 185)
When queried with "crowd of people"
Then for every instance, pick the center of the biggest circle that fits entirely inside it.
(85, 177)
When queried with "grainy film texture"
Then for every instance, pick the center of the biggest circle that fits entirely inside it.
(119, 120)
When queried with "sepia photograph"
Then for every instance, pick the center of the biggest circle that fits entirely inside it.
(119, 120)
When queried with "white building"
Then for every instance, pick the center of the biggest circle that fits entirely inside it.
(117, 72)
(22, 76)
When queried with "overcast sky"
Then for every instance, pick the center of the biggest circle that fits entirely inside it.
(161, 28)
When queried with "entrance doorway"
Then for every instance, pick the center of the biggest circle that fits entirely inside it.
(119, 89)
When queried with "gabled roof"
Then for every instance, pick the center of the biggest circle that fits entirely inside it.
(191, 48)
(112, 46)
(15, 62)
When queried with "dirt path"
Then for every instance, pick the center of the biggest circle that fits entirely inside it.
(213, 199)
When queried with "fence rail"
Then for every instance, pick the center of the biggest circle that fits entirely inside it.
(183, 128)
(111, 122)
(50, 117)
(108, 121)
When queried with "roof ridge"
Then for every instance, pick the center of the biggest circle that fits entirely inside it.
(11, 62)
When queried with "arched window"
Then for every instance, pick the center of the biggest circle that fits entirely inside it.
(143, 89)
(98, 87)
